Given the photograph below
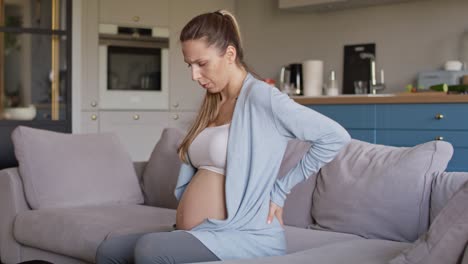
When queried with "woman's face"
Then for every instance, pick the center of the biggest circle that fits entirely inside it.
(209, 66)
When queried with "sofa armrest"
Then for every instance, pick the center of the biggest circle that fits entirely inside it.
(444, 187)
(12, 202)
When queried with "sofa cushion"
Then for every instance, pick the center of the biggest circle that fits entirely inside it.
(296, 210)
(378, 191)
(299, 239)
(362, 251)
(78, 231)
(162, 170)
(444, 186)
(62, 170)
(447, 238)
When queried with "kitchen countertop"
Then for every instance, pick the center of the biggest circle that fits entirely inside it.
(397, 98)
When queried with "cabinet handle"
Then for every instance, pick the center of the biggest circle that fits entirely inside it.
(175, 105)
(136, 18)
(439, 138)
(93, 103)
(439, 116)
(93, 117)
(175, 116)
(136, 117)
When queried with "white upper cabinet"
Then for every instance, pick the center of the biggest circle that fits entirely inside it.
(134, 13)
(185, 94)
(330, 5)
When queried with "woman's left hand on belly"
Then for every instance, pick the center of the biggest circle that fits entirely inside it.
(275, 210)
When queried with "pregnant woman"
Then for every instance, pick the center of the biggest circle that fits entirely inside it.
(230, 199)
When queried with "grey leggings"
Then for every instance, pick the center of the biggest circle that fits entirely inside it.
(163, 247)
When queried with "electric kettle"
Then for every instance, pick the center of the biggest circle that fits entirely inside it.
(291, 79)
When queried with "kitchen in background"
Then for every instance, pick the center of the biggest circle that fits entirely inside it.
(410, 37)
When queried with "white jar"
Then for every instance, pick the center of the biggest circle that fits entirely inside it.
(332, 86)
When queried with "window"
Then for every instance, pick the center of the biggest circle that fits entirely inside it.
(35, 54)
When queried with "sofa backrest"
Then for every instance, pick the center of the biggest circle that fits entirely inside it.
(296, 211)
(371, 190)
(139, 169)
(444, 186)
(161, 172)
(405, 170)
(465, 256)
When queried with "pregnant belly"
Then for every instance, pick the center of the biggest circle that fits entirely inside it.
(203, 198)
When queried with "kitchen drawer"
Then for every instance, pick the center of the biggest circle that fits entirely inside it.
(139, 131)
(349, 116)
(182, 120)
(422, 116)
(413, 137)
(89, 122)
(367, 135)
(459, 161)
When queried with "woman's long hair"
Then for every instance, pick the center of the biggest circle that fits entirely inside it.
(219, 29)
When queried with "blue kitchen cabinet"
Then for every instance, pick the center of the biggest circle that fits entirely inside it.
(406, 125)
(359, 120)
(422, 116)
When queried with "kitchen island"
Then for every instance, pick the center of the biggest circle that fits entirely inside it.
(398, 98)
(401, 119)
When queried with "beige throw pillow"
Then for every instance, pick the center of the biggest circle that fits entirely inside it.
(378, 191)
(64, 170)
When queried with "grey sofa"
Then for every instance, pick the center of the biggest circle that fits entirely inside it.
(333, 217)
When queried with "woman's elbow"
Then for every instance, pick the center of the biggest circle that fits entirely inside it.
(342, 137)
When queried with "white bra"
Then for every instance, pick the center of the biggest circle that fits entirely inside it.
(209, 149)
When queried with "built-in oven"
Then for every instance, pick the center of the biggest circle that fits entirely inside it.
(133, 67)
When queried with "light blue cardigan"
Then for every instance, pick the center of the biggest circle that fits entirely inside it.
(263, 122)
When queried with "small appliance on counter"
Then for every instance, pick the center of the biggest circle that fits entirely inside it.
(291, 81)
(427, 79)
(357, 66)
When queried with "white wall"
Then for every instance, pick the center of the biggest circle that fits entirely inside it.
(410, 37)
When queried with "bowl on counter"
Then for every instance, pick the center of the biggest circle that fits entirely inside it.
(20, 113)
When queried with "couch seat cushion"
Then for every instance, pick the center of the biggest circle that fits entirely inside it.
(77, 232)
(361, 251)
(299, 239)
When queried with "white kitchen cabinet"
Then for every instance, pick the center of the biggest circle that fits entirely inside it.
(136, 13)
(89, 66)
(139, 131)
(185, 94)
(89, 122)
(182, 120)
(329, 5)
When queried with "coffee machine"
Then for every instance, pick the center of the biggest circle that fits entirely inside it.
(291, 79)
(357, 66)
